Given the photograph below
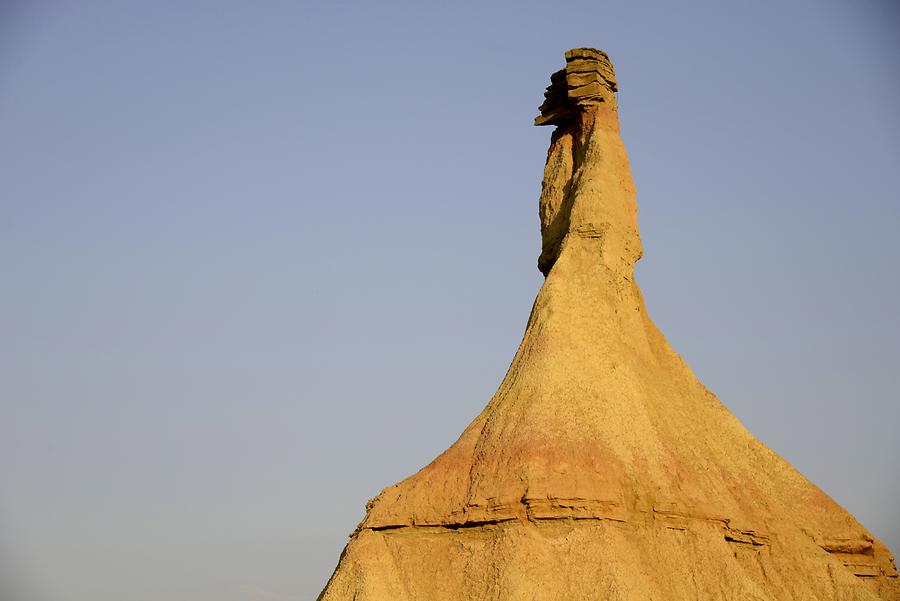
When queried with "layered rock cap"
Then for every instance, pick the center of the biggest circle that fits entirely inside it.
(587, 79)
(602, 469)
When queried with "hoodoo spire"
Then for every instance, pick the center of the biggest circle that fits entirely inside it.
(602, 469)
(587, 191)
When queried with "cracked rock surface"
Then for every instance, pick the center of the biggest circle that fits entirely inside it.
(602, 469)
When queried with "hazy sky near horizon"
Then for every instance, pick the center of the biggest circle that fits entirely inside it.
(260, 260)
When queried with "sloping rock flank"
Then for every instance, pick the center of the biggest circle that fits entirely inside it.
(602, 469)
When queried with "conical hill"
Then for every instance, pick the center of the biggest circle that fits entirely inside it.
(602, 469)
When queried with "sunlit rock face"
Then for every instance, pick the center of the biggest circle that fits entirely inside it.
(602, 469)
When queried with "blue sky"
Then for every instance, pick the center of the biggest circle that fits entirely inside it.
(260, 260)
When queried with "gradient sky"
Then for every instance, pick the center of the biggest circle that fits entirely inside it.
(261, 259)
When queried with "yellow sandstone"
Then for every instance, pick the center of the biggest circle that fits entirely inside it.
(602, 469)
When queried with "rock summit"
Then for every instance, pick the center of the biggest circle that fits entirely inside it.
(602, 469)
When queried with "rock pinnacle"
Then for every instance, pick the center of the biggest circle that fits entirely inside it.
(602, 469)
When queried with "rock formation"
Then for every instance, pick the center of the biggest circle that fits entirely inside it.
(602, 469)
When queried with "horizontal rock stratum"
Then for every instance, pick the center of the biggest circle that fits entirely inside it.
(602, 469)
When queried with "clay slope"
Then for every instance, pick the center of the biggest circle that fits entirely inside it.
(602, 469)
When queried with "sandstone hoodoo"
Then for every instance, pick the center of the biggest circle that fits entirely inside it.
(602, 469)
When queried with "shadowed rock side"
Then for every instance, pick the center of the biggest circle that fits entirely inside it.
(602, 469)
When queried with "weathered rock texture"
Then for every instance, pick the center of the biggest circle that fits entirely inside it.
(602, 469)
